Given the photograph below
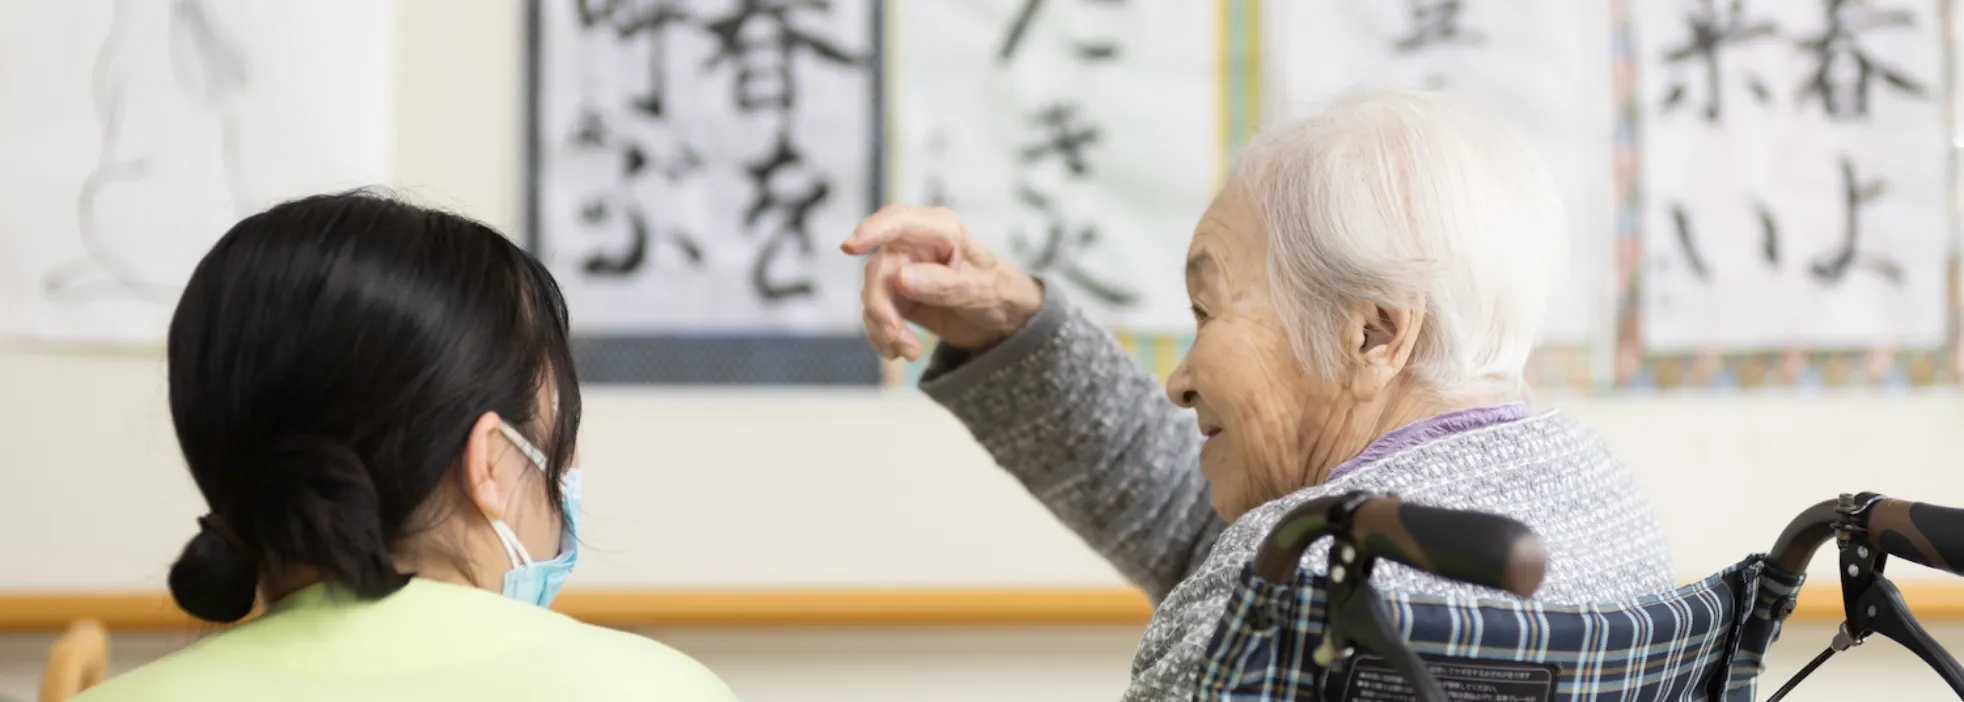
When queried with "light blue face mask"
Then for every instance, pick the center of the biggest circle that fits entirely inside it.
(530, 581)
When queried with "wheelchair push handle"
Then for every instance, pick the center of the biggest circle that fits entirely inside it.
(1473, 547)
(1920, 532)
(1914, 531)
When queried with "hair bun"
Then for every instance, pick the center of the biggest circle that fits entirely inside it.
(214, 579)
(308, 502)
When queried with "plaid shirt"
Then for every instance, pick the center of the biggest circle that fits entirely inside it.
(1703, 641)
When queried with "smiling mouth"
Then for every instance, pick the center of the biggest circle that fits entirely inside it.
(1210, 432)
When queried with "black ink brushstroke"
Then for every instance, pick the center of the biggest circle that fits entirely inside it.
(1029, 196)
(690, 250)
(633, 161)
(795, 214)
(1098, 51)
(625, 263)
(1855, 194)
(1063, 137)
(1769, 235)
(1017, 29)
(1682, 223)
(589, 130)
(1058, 254)
(795, 230)
(1436, 22)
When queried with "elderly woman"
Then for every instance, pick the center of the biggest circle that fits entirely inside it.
(1366, 290)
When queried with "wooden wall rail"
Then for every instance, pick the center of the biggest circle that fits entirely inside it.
(25, 612)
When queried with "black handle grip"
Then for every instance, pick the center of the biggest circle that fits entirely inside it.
(1474, 547)
(1919, 532)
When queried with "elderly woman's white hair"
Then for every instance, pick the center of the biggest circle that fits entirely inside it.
(1413, 200)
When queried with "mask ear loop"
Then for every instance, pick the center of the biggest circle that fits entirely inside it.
(506, 537)
(519, 558)
(532, 453)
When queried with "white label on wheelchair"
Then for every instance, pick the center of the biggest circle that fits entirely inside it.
(1371, 679)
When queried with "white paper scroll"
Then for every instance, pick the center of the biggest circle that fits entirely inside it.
(135, 132)
(1542, 65)
(698, 162)
(1082, 138)
(1794, 176)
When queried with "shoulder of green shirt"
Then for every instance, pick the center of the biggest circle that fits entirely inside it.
(624, 662)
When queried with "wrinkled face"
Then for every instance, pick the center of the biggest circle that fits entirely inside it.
(1263, 414)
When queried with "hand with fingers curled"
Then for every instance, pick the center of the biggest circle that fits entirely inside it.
(924, 268)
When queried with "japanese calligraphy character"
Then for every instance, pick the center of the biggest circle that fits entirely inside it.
(1831, 268)
(1436, 22)
(1066, 140)
(1059, 251)
(631, 20)
(1096, 50)
(1844, 72)
(1065, 137)
(1854, 194)
(597, 213)
(637, 134)
(1713, 31)
(759, 37)
(1769, 243)
(783, 170)
(591, 133)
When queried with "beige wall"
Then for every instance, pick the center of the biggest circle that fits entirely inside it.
(92, 496)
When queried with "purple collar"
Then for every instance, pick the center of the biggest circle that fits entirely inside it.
(1432, 428)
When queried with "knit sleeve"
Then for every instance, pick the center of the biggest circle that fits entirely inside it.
(1091, 434)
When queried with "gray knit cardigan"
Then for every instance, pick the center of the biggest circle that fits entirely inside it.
(1092, 435)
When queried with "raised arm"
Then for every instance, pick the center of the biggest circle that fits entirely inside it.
(1051, 396)
(1090, 434)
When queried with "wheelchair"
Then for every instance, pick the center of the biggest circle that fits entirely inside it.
(1288, 634)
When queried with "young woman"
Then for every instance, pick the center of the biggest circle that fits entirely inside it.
(378, 404)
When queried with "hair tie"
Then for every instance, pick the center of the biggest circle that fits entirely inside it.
(215, 525)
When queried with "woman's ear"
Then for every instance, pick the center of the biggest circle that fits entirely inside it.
(1380, 340)
(480, 471)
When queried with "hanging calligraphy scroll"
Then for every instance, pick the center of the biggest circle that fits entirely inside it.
(1080, 137)
(1792, 184)
(694, 165)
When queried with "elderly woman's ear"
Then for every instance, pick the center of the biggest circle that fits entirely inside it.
(1380, 342)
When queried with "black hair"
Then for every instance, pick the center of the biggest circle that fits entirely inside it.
(328, 360)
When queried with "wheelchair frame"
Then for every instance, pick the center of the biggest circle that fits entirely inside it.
(1501, 553)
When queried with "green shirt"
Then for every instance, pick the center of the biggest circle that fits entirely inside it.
(429, 641)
